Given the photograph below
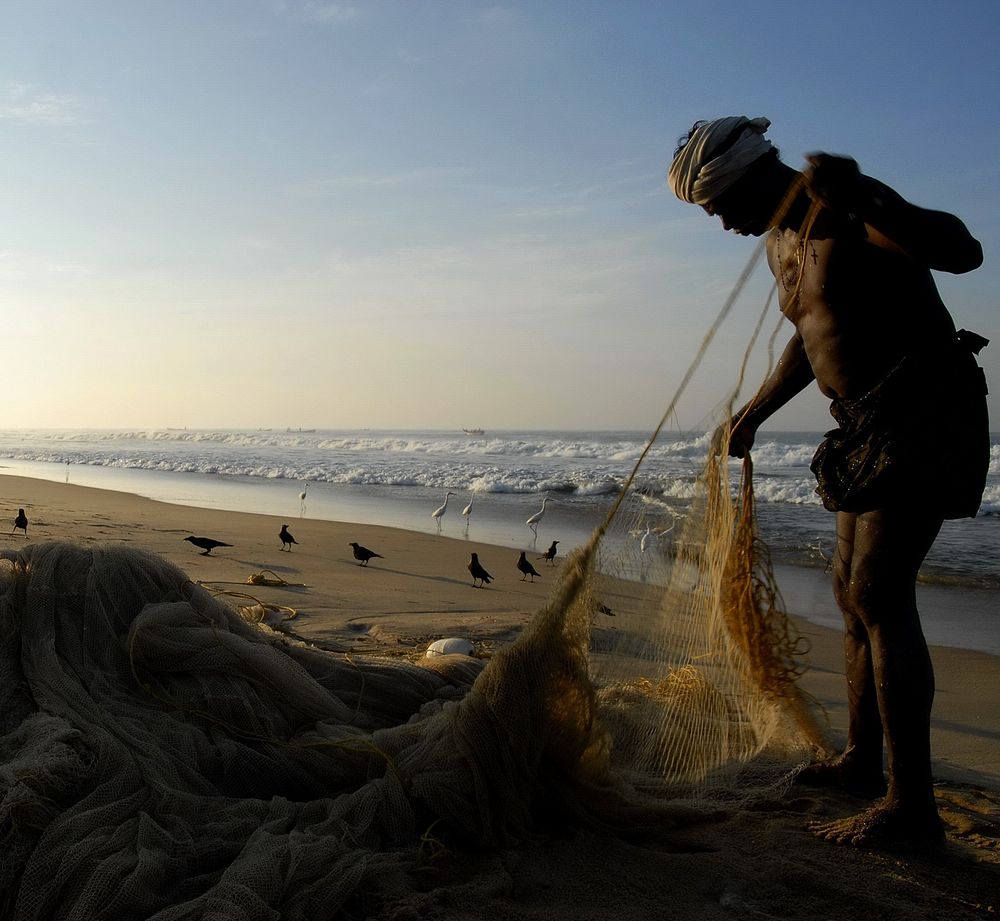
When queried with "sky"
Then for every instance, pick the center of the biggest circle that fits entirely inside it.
(409, 214)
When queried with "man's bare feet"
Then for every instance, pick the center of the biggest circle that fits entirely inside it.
(844, 773)
(886, 825)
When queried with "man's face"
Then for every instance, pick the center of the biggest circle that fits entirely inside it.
(740, 209)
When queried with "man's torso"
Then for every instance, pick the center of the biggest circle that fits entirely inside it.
(858, 308)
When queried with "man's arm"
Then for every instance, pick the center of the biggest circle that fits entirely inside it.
(933, 238)
(791, 375)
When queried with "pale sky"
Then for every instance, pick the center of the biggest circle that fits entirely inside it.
(407, 214)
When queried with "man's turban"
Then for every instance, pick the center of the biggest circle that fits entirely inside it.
(698, 176)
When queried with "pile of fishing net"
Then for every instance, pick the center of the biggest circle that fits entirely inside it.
(162, 757)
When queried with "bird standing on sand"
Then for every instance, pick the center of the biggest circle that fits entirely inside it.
(550, 554)
(438, 513)
(363, 554)
(478, 573)
(302, 500)
(206, 544)
(467, 511)
(526, 568)
(286, 538)
(532, 522)
(20, 522)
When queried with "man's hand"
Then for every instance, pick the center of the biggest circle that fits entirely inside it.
(740, 439)
(835, 182)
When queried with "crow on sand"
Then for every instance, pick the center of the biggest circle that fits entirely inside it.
(20, 522)
(550, 554)
(363, 554)
(206, 544)
(286, 538)
(526, 568)
(478, 573)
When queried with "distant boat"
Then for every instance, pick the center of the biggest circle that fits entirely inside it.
(474, 431)
(302, 431)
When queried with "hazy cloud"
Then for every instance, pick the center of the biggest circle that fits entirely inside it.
(26, 102)
(321, 188)
(498, 15)
(21, 266)
(317, 10)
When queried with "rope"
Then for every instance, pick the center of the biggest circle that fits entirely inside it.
(264, 577)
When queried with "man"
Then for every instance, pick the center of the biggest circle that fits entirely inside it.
(852, 261)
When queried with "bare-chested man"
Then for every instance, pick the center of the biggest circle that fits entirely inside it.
(853, 262)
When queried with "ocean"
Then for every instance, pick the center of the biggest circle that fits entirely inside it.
(397, 478)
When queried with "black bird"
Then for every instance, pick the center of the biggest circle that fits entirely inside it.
(286, 538)
(550, 554)
(604, 609)
(364, 554)
(526, 568)
(206, 544)
(20, 522)
(476, 568)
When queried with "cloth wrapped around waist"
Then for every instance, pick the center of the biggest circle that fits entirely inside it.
(921, 434)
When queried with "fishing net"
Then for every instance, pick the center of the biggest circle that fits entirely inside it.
(163, 756)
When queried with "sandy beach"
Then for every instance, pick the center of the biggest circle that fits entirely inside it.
(753, 863)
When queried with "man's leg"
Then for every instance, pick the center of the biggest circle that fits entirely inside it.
(888, 547)
(859, 768)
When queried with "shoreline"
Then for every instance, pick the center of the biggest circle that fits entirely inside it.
(953, 615)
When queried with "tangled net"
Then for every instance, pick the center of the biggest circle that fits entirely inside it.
(165, 755)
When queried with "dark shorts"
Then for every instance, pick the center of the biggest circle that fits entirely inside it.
(920, 436)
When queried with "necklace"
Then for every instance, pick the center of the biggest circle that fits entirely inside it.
(798, 256)
(789, 280)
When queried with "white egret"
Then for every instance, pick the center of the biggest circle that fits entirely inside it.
(302, 500)
(532, 522)
(468, 509)
(438, 513)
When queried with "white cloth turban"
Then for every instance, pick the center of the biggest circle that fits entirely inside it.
(697, 176)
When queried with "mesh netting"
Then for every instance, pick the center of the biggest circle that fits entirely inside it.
(162, 757)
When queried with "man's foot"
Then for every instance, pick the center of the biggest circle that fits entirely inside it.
(886, 825)
(844, 773)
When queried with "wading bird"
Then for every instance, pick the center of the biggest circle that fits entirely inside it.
(438, 513)
(532, 522)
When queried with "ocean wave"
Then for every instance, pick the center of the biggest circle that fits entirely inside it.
(991, 500)
(773, 454)
(624, 449)
(559, 463)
